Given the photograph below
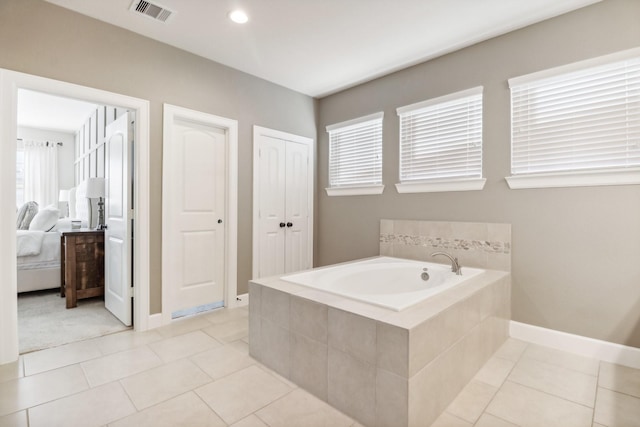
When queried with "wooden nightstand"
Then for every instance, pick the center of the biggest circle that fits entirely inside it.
(82, 264)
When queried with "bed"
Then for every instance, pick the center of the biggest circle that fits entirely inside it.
(38, 251)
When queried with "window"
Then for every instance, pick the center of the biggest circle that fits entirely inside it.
(355, 156)
(578, 124)
(441, 144)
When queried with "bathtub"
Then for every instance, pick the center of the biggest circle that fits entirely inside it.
(387, 282)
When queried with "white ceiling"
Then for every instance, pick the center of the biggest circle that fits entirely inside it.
(43, 111)
(319, 47)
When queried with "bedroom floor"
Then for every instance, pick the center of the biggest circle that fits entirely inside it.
(198, 372)
(45, 322)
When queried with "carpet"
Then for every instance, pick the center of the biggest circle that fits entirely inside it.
(44, 321)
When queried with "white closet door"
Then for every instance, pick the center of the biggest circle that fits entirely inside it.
(271, 223)
(297, 207)
(282, 202)
(196, 195)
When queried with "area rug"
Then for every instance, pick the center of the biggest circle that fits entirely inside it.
(44, 321)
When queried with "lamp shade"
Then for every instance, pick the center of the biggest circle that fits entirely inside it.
(64, 196)
(95, 188)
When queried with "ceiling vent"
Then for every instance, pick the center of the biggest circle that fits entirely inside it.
(152, 10)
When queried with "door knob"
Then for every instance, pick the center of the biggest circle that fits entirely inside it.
(289, 224)
(219, 221)
(282, 224)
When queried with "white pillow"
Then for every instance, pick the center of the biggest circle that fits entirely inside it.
(45, 219)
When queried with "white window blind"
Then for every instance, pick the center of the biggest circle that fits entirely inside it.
(587, 119)
(355, 152)
(441, 138)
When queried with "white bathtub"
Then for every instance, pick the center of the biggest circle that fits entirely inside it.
(392, 283)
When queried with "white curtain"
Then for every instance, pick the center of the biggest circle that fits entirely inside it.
(41, 172)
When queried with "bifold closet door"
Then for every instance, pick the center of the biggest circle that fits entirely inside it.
(283, 195)
(296, 234)
(272, 200)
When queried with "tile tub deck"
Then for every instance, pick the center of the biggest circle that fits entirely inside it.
(381, 367)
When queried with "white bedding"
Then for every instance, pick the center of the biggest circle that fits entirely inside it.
(29, 242)
(48, 256)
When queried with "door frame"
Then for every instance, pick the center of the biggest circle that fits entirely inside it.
(258, 132)
(10, 82)
(170, 115)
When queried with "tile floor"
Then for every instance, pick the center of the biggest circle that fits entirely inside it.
(197, 372)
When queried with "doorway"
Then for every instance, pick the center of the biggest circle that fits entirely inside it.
(62, 144)
(10, 83)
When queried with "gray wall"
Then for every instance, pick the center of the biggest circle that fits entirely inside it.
(42, 39)
(576, 251)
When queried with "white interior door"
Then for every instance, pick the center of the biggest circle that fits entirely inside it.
(196, 213)
(271, 214)
(117, 237)
(283, 201)
(297, 207)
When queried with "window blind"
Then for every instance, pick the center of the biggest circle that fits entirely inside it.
(441, 139)
(586, 119)
(355, 152)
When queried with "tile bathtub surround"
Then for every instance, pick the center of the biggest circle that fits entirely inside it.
(481, 245)
(380, 367)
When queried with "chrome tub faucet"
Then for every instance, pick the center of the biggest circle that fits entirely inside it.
(455, 265)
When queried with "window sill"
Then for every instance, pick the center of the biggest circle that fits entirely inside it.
(575, 179)
(440, 186)
(355, 191)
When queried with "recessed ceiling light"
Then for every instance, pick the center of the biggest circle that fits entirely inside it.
(238, 16)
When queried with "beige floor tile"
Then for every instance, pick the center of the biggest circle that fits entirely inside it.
(447, 420)
(488, 420)
(164, 382)
(598, 425)
(472, 401)
(185, 410)
(185, 345)
(119, 365)
(94, 407)
(562, 358)
(11, 371)
(57, 357)
(291, 384)
(250, 421)
(183, 326)
(495, 371)
(615, 409)
(225, 315)
(301, 409)
(26, 392)
(241, 345)
(532, 408)
(17, 419)
(619, 378)
(126, 340)
(557, 380)
(242, 393)
(222, 361)
(512, 349)
(229, 331)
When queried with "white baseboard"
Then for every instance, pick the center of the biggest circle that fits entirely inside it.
(154, 321)
(583, 346)
(242, 300)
